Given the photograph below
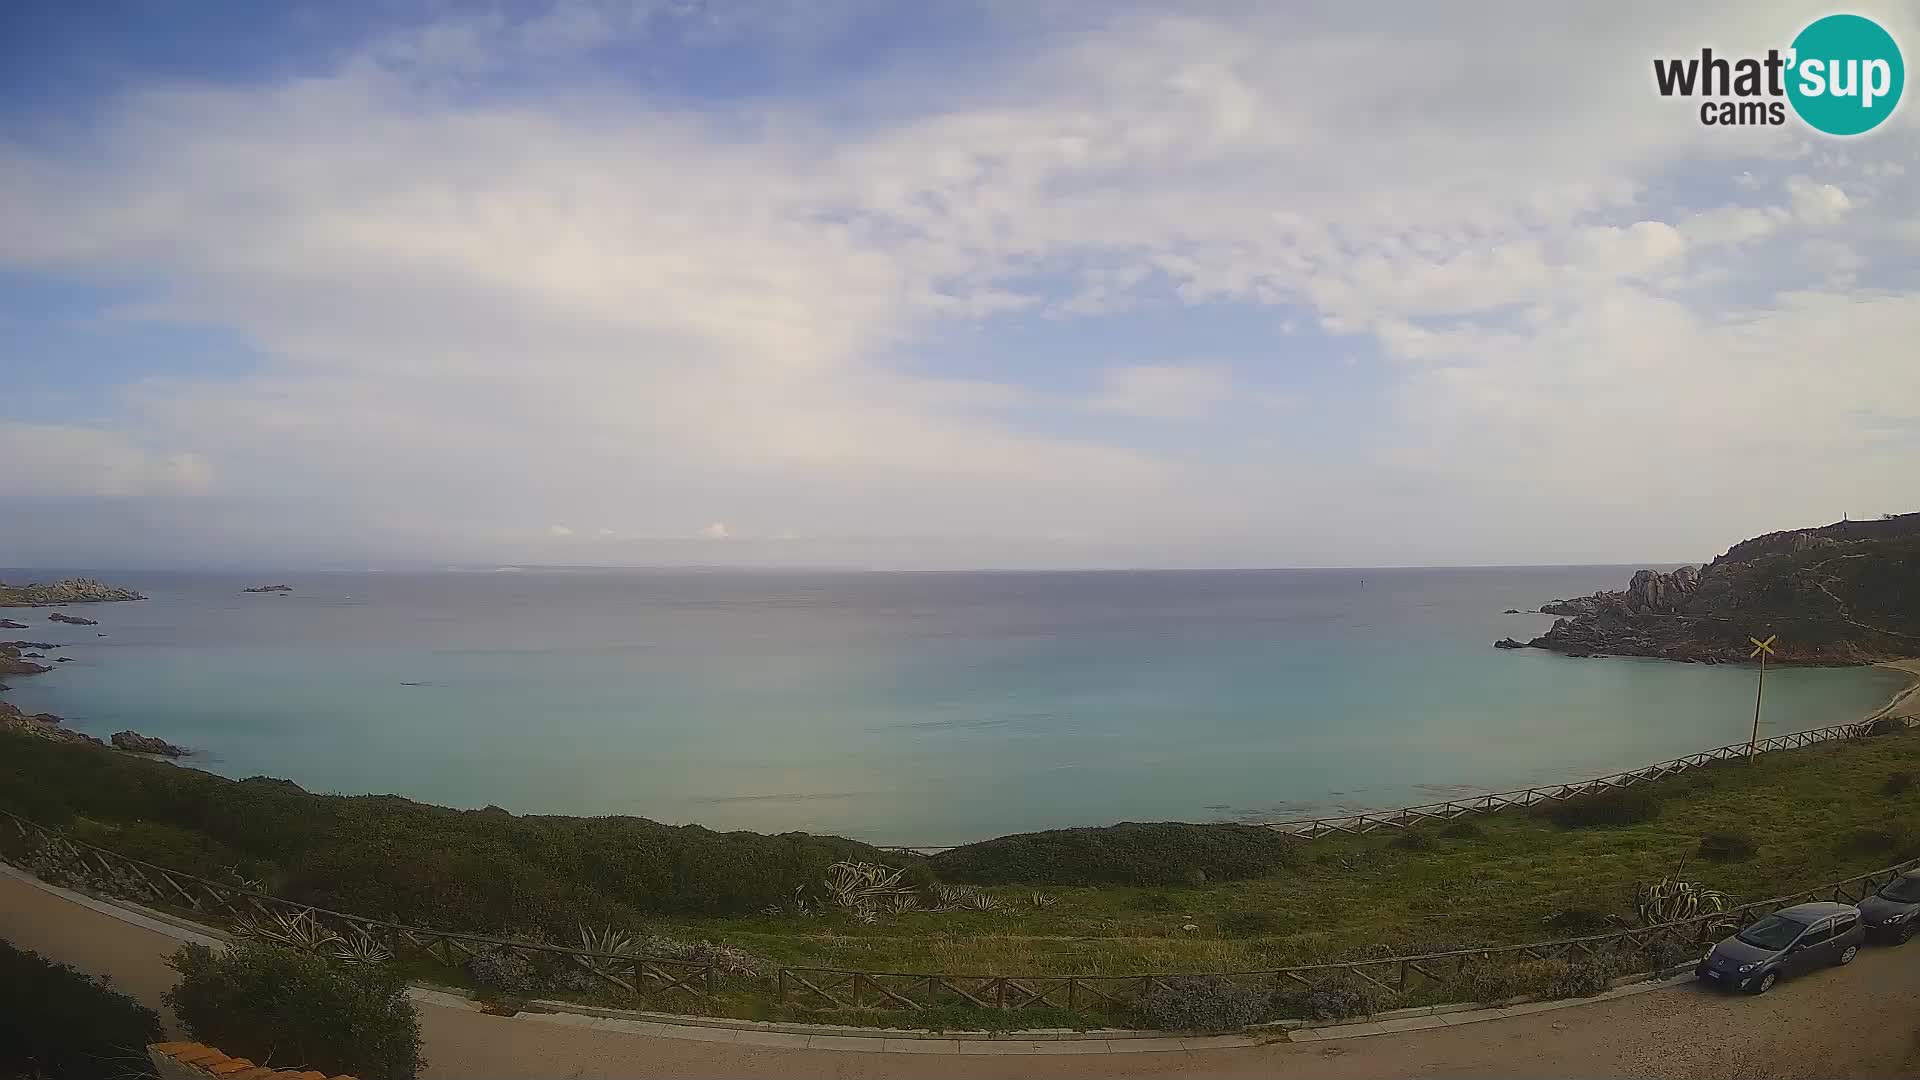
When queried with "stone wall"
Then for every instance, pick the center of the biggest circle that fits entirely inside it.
(194, 1061)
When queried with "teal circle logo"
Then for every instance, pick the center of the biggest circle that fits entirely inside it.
(1846, 75)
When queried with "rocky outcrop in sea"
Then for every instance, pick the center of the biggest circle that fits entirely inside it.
(269, 588)
(72, 620)
(137, 743)
(69, 591)
(41, 726)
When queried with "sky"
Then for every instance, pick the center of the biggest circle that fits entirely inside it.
(970, 284)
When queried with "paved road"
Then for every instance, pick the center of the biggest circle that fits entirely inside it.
(1862, 1021)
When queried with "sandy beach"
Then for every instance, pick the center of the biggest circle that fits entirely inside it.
(1905, 704)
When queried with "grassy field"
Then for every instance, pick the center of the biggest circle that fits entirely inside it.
(1811, 815)
(1814, 814)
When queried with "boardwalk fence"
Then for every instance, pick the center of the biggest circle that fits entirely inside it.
(1408, 817)
(50, 854)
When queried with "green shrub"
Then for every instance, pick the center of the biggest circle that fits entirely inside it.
(1203, 1003)
(58, 1023)
(1166, 853)
(1153, 901)
(1463, 829)
(1582, 977)
(292, 1010)
(1728, 845)
(1495, 980)
(503, 971)
(1614, 806)
(1662, 953)
(1337, 996)
(383, 855)
(1412, 840)
(1248, 923)
(1577, 921)
(1898, 783)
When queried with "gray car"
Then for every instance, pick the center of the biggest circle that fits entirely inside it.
(1788, 942)
(1892, 912)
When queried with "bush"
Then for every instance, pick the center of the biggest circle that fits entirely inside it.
(58, 1022)
(1247, 923)
(1615, 806)
(1662, 953)
(1577, 922)
(1205, 1003)
(1895, 838)
(504, 971)
(1463, 829)
(1494, 981)
(292, 1010)
(1728, 845)
(1583, 977)
(1898, 783)
(1167, 853)
(1338, 996)
(426, 865)
(1412, 840)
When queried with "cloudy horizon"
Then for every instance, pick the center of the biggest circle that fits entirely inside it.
(980, 285)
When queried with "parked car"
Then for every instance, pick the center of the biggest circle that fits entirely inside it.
(1892, 912)
(1787, 942)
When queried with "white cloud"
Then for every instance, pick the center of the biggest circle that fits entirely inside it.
(475, 311)
(67, 460)
(1162, 392)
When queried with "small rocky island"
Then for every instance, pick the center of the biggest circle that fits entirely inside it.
(1846, 593)
(9, 624)
(72, 620)
(70, 591)
(137, 743)
(269, 588)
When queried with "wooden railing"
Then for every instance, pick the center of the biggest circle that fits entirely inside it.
(51, 854)
(1409, 816)
(1678, 941)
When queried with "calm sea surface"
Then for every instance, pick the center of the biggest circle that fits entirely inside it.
(899, 708)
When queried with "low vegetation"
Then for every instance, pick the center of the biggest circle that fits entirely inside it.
(1097, 902)
(292, 1009)
(59, 1024)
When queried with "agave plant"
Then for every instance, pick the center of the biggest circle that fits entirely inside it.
(1042, 900)
(952, 895)
(360, 947)
(604, 942)
(861, 889)
(903, 903)
(983, 902)
(300, 931)
(1669, 900)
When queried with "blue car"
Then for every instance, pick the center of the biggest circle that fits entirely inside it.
(1788, 942)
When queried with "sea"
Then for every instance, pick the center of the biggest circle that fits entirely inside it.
(914, 709)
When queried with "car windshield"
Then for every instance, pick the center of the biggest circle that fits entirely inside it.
(1772, 932)
(1902, 890)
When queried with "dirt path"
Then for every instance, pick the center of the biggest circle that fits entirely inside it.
(1863, 1021)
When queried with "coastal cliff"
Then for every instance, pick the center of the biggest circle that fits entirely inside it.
(1847, 593)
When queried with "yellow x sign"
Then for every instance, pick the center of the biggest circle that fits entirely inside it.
(1762, 646)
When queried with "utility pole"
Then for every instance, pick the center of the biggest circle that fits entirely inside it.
(1761, 649)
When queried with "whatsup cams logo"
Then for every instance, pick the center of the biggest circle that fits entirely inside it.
(1842, 75)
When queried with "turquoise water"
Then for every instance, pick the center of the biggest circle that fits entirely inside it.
(900, 708)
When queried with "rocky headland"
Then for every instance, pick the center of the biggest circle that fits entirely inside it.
(137, 743)
(69, 591)
(1847, 593)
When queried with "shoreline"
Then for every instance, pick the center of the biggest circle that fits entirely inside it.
(1903, 704)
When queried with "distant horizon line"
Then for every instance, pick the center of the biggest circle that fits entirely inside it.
(488, 568)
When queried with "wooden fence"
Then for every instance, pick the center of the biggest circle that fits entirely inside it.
(1410, 816)
(677, 981)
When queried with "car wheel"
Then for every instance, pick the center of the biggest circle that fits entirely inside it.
(1766, 982)
(1847, 954)
(1904, 934)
